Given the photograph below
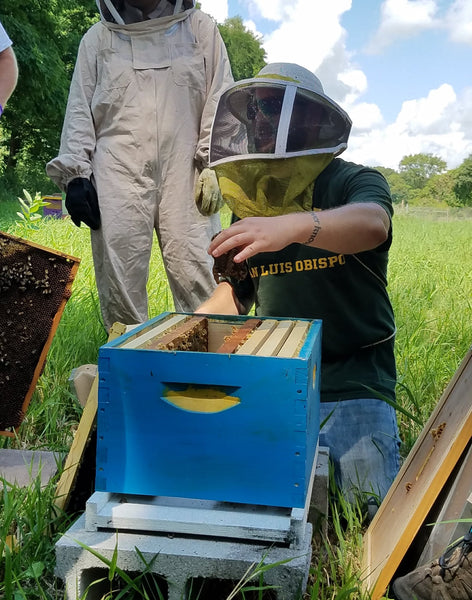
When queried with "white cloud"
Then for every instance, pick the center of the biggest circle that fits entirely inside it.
(273, 10)
(435, 124)
(251, 26)
(458, 21)
(428, 115)
(356, 83)
(462, 112)
(309, 34)
(218, 9)
(365, 117)
(386, 147)
(400, 19)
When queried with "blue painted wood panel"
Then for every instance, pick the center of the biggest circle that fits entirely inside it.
(258, 448)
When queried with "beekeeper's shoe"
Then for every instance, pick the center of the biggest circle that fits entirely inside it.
(449, 578)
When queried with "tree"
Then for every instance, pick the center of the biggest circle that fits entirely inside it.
(401, 192)
(45, 40)
(416, 169)
(463, 182)
(438, 191)
(245, 51)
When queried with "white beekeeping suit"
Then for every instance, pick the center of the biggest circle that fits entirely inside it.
(136, 130)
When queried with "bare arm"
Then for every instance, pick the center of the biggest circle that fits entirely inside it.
(8, 74)
(223, 301)
(344, 230)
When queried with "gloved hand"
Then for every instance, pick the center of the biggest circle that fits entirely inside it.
(82, 203)
(208, 197)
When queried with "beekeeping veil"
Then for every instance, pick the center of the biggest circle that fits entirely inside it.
(271, 137)
(122, 12)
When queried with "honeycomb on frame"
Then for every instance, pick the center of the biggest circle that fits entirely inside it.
(35, 284)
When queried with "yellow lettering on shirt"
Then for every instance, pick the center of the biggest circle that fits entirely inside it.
(308, 264)
(332, 260)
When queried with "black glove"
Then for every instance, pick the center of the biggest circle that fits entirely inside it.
(82, 203)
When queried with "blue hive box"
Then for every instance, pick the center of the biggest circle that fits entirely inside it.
(213, 425)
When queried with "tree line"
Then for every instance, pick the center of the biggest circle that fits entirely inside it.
(46, 40)
(423, 180)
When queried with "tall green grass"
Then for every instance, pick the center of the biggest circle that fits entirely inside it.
(430, 284)
(431, 291)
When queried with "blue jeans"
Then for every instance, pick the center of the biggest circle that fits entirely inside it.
(363, 441)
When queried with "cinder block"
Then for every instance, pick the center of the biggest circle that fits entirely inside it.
(178, 562)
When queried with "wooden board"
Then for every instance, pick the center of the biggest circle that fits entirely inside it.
(82, 438)
(294, 340)
(420, 480)
(187, 516)
(457, 507)
(232, 342)
(148, 335)
(252, 345)
(276, 340)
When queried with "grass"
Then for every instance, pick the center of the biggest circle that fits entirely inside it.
(431, 290)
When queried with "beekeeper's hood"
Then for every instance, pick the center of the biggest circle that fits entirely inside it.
(281, 112)
(124, 12)
(271, 136)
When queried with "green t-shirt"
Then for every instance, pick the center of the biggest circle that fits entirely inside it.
(348, 292)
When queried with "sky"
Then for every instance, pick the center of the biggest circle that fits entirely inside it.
(402, 69)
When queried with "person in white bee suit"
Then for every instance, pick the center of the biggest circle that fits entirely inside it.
(134, 150)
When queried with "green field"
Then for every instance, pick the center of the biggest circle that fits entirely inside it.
(431, 290)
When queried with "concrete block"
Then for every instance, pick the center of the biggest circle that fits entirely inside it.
(21, 467)
(179, 562)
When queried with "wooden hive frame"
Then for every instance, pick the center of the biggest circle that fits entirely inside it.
(419, 482)
(202, 333)
(35, 285)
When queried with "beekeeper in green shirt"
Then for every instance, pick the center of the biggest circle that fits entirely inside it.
(314, 231)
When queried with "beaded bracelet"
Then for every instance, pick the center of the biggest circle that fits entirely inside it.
(316, 228)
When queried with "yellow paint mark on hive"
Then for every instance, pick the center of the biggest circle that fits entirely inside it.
(201, 400)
